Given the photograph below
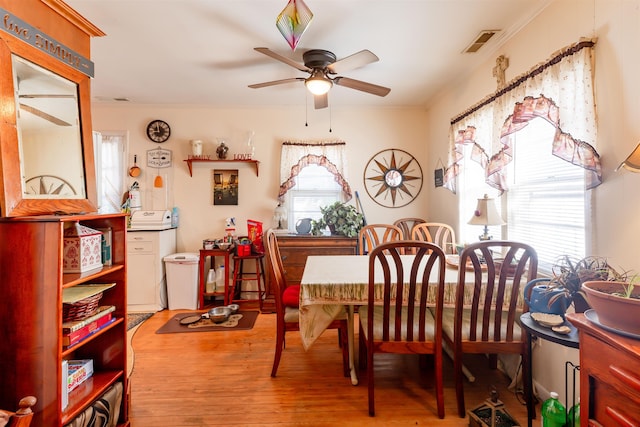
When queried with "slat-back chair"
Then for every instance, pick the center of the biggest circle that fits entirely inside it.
(287, 314)
(485, 318)
(439, 233)
(402, 322)
(407, 224)
(372, 235)
(20, 418)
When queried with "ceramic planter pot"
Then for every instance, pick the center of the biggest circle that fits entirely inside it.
(612, 310)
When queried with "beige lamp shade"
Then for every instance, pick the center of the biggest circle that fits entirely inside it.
(486, 214)
(632, 162)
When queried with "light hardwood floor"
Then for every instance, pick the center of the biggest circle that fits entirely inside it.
(223, 379)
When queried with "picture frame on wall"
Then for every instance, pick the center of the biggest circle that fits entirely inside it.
(225, 187)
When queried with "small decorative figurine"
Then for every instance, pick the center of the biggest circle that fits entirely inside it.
(502, 63)
(222, 151)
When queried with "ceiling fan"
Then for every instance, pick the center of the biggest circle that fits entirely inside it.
(323, 68)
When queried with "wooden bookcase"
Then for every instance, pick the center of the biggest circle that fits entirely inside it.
(31, 265)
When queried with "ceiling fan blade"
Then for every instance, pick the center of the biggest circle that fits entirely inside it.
(278, 57)
(362, 86)
(276, 82)
(321, 101)
(43, 115)
(50, 96)
(351, 62)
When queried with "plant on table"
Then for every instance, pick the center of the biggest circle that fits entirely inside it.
(569, 274)
(628, 288)
(342, 220)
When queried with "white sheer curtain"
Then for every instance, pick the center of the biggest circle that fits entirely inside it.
(559, 91)
(296, 155)
(112, 172)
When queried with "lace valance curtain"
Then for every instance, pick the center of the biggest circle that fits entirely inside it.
(559, 91)
(296, 155)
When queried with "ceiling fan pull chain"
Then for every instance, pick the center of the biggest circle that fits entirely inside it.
(306, 109)
(330, 110)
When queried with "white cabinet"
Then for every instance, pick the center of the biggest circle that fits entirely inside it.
(147, 290)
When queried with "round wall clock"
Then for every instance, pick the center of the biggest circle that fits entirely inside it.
(393, 178)
(158, 131)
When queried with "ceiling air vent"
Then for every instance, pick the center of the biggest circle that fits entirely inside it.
(480, 41)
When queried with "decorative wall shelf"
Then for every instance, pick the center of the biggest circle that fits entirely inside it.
(190, 163)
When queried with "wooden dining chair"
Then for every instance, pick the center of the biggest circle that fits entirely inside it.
(399, 320)
(372, 235)
(485, 318)
(287, 313)
(439, 233)
(20, 418)
(407, 224)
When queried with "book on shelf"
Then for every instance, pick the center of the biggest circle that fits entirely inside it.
(78, 372)
(106, 245)
(87, 331)
(78, 293)
(74, 325)
(65, 384)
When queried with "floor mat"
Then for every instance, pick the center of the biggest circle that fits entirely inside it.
(242, 320)
(134, 319)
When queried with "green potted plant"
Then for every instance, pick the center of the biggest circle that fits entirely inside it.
(569, 274)
(342, 220)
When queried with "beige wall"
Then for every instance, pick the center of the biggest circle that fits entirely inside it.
(365, 131)
(615, 226)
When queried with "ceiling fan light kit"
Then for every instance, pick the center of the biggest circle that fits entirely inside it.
(318, 84)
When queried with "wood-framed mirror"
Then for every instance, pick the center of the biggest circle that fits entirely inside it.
(46, 141)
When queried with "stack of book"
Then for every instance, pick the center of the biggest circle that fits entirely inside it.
(75, 331)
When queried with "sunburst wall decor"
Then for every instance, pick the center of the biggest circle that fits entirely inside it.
(393, 178)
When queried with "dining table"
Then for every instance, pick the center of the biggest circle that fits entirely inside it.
(332, 283)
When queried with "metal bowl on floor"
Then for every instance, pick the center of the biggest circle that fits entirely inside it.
(219, 314)
(234, 308)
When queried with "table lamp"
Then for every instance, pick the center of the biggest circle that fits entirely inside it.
(280, 215)
(486, 214)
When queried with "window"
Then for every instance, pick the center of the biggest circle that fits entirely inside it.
(109, 154)
(315, 187)
(547, 198)
(473, 187)
(545, 204)
(533, 138)
(312, 175)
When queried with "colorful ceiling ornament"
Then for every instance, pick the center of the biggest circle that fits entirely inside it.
(293, 21)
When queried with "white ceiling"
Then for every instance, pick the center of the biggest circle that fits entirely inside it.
(200, 52)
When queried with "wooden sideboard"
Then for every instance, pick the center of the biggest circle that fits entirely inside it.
(609, 376)
(294, 250)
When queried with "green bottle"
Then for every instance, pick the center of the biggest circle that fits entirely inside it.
(574, 416)
(553, 413)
